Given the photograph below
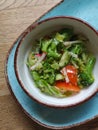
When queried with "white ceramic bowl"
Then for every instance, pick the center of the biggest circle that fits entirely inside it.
(42, 28)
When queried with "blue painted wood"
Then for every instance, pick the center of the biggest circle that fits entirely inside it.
(84, 9)
(50, 116)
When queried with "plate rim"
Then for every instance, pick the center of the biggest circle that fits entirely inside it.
(23, 109)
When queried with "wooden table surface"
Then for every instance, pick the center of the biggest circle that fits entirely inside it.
(15, 16)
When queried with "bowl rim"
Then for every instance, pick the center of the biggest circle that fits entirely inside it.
(24, 34)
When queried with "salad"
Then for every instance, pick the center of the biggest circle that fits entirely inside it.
(61, 64)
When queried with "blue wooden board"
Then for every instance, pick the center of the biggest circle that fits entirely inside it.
(86, 10)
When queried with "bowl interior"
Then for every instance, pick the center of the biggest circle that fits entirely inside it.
(28, 43)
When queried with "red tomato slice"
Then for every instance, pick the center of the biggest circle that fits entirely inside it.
(67, 86)
(71, 69)
(72, 74)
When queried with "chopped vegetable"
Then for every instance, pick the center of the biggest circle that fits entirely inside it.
(72, 74)
(64, 72)
(86, 76)
(45, 44)
(62, 65)
(39, 60)
(71, 42)
(67, 86)
(59, 77)
(64, 59)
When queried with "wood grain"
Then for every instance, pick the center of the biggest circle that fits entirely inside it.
(15, 16)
